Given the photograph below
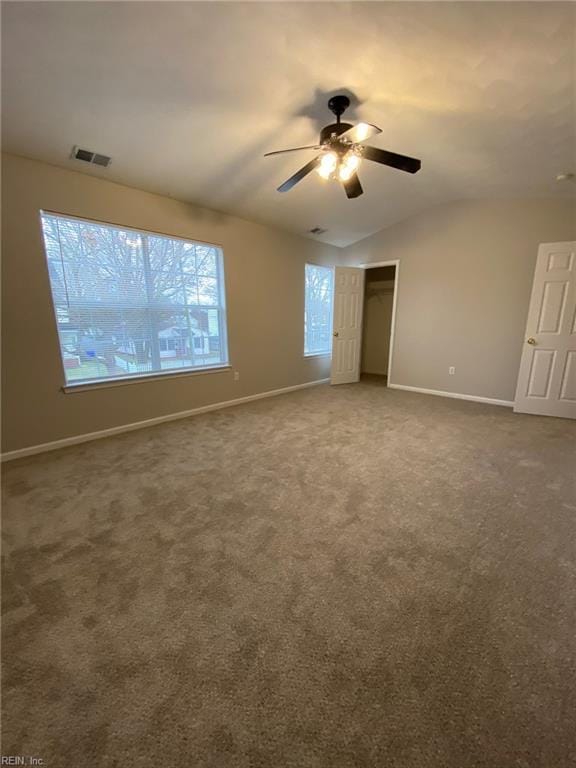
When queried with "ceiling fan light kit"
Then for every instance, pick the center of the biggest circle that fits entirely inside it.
(342, 151)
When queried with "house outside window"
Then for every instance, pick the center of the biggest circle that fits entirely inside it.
(130, 304)
(319, 296)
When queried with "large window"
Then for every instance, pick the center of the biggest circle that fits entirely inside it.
(318, 310)
(131, 303)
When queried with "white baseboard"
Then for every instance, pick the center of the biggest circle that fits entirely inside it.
(455, 395)
(67, 441)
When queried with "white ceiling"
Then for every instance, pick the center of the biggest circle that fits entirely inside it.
(187, 97)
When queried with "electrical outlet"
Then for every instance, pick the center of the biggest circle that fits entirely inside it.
(236, 375)
(451, 370)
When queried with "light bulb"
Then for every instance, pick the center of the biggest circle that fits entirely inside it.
(328, 165)
(349, 166)
(344, 174)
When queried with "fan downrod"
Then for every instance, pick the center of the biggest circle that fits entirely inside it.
(338, 105)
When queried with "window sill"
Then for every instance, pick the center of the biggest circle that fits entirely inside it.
(317, 354)
(121, 381)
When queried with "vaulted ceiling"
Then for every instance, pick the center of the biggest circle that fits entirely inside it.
(188, 96)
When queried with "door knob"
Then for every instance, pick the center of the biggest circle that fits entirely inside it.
(335, 333)
(531, 340)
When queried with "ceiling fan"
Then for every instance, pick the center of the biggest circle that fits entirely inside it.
(342, 151)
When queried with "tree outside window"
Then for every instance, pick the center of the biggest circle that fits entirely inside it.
(319, 294)
(131, 303)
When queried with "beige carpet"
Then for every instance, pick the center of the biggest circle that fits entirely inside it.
(337, 577)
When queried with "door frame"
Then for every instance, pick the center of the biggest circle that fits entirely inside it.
(389, 263)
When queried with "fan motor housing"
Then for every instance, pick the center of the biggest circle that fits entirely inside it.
(333, 128)
(339, 104)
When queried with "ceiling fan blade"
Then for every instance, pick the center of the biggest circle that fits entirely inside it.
(352, 187)
(403, 163)
(299, 175)
(360, 132)
(295, 149)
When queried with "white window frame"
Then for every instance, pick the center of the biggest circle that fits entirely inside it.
(134, 378)
(325, 353)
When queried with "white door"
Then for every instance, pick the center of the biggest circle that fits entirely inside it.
(547, 377)
(347, 324)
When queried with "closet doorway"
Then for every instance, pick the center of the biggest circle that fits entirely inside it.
(380, 285)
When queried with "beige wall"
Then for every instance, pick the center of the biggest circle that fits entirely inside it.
(464, 284)
(265, 301)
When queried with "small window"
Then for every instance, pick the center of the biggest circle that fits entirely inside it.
(130, 304)
(318, 310)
